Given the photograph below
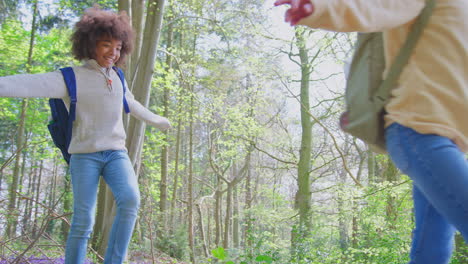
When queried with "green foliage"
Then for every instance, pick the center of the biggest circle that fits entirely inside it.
(14, 41)
(268, 226)
(78, 6)
(52, 51)
(221, 254)
(175, 244)
(376, 238)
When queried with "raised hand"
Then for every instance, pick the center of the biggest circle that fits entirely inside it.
(299, 10)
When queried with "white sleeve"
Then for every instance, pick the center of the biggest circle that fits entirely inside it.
(145, 115)
(362, 15)
(48, 85)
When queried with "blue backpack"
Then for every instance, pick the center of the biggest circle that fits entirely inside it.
(61, 124)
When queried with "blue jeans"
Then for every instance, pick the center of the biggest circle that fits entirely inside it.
(439, 172)
(117, 171)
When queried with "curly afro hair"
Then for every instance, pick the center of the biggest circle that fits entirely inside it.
(96, 23)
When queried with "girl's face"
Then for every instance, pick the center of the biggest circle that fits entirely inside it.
(107, 51)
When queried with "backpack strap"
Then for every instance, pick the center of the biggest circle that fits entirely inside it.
(70, 81)
(122, 79)
(382, 94)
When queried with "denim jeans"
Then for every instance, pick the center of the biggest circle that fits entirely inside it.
(117, 171)
(439, 172)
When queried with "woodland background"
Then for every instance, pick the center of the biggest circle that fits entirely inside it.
(255, 168)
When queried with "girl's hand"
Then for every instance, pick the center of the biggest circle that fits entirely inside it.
(163, 123)
(299, 10)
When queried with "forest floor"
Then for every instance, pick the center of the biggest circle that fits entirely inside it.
(159, 258)
(135, 258)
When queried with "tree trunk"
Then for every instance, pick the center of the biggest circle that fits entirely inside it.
(36, 205)
(202, 231)
(1, 178)
(12, 222)
(67, 205)
(208, 225)
(190, 182)
(51, 202)
(228, 217)
(22, 177)
(248, 215)
(164, 149)
(235, 220)
(342, 220)
(391, 175)
(124, 5)
(25, 223)
(143, 76)
(355, 213)
(138, 7)
(303, 195)
(371, 166)
(178, 140)
(217, 213)
(176, 172)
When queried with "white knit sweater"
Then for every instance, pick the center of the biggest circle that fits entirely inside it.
(98, 125)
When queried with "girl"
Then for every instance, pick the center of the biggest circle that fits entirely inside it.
(101, 39)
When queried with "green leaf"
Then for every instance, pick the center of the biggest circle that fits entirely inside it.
(219, 253)
(264, 258)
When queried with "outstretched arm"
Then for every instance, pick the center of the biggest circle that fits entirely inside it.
(48, 85)
(145, 115)
(352, 15)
